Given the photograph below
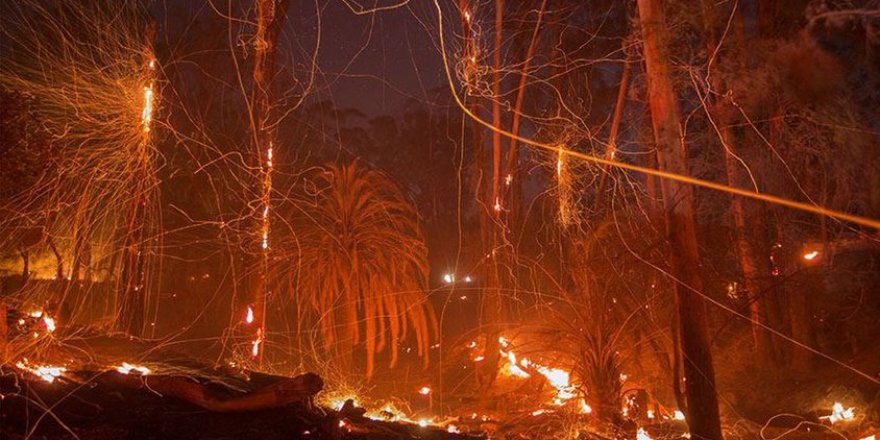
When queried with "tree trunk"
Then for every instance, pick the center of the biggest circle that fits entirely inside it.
(491, 309)
(270, 19)
(512, 176)
(702, 400)
(721, 114)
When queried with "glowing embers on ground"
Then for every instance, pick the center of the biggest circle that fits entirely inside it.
(557, 377)
(127, 368)
(46, 372)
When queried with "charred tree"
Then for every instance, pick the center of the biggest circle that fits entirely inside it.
(678, 199)
(271, 15)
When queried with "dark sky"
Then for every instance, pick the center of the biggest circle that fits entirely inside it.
(375, 62)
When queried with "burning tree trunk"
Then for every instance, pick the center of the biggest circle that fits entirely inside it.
(270, 19)
(678, 201)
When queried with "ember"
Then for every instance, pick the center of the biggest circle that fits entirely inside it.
(47, 373)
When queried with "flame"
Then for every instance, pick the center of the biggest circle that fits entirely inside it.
(50, 323)
(147, 114)
(127, 368)
(448, 278)
(870, 437)
(46, 372)
(255, 345)
(810, 256)
(838, 413)
(454, 429)
(678, 415)
(558, 378)
(249, 318)
(425, 390)
(643, 435)
(585, 409)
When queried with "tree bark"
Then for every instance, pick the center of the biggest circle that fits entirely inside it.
(271, 15)
(702, 400)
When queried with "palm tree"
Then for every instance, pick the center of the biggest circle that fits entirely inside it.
(364, 263)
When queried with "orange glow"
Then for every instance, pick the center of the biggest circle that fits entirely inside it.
(425, 390)
(810, 256)
(249, 318)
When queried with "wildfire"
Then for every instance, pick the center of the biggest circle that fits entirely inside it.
(643, 435)
(810, 256)
(127, 368)
(558, 378)
(46, 372)
(425, 390)
(249, 317)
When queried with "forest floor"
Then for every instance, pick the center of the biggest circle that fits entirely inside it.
(86, 405)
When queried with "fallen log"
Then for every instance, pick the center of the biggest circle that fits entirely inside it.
(285, 391)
